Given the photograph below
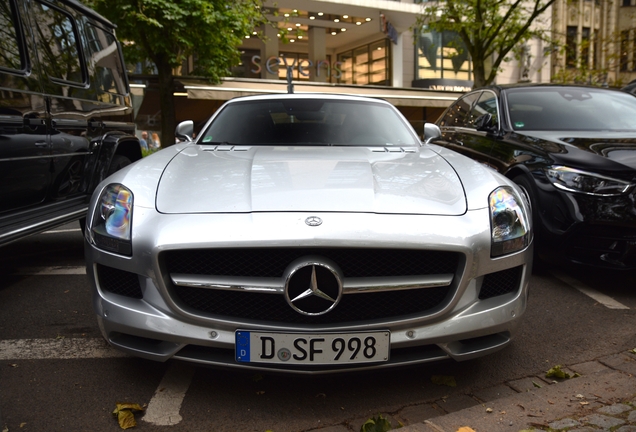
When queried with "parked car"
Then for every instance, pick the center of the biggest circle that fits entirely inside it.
(308, 234)
(573, 151)
(65, 113)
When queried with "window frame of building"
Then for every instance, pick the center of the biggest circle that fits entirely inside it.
(362, 72)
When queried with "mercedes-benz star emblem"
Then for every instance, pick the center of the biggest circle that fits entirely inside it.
(313, 221)
(313, 288)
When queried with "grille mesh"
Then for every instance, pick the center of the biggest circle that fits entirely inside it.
(119, 282)
(274, 308)
(273, 262)
(500, 283)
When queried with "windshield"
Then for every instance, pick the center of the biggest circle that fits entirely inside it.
(563, 108)
(309, 122)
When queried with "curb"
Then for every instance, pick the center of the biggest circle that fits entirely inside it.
(543, 408)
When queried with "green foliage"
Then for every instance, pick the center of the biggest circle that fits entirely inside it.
(488, 28)
(167, 32)
(376, 424)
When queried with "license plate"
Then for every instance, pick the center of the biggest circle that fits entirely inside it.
(311, 348)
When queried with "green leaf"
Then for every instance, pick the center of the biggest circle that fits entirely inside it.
(556, 372)
(376, 424)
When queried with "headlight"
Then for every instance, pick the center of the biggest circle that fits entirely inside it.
(111, 224)
(509, 222)
(574, 180)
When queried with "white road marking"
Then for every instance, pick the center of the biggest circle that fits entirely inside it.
(53, 349)
(606, 301)
(48, 271)
(61, 231)
(163, 409)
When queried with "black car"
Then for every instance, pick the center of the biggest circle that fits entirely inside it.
(65, 112)
(571, 148)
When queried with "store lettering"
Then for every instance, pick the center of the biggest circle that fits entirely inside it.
(450, 88)
(272, 64)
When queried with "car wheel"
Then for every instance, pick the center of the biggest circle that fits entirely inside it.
(528, 190)
(117, 163)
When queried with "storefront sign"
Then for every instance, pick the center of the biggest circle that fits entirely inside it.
(441, 84)
(273, 63)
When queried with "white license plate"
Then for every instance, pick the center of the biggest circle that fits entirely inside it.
(311, 348)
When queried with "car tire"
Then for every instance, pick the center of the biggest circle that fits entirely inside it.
(117, 163)
(528, 189)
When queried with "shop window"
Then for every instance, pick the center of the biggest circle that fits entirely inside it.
(441, 55)
(366, 65)
(245, 68)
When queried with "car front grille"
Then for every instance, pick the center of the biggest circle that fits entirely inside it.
(606, 246)
(354, 263)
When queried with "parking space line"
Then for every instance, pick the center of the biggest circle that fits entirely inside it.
(606, 301)
(163, 409)
(54, 349)
(48, 271)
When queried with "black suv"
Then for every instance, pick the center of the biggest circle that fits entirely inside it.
(65, 112)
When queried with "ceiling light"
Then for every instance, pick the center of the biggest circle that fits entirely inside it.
(367, 19)
(334, 33)
(345, 16)
(300, 36)
(358, 23)
(343, 29)
(286, 15)
(297, 24)
(320, 14)
(312, 17)
(336, 20)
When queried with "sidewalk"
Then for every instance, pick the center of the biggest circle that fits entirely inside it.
(603, 398)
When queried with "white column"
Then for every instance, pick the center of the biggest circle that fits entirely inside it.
(269, 48)
(321, 68)
(397, 62)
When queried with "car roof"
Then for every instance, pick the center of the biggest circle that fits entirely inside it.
(292, 96)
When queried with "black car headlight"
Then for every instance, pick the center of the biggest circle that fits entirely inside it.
(112, 220)
(509, 222)
(573, 180)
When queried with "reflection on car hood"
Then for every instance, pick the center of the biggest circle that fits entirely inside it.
(618, 147)
(225, 179)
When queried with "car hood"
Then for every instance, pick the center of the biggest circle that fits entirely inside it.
(618, 148)
(232, 179)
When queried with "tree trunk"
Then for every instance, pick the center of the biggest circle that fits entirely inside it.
(166, 103)
(479, 73)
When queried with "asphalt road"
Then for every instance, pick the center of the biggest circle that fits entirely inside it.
(56, 374)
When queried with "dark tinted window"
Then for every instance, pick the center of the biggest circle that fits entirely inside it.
(563, 108)
(487, 104)
(104, 62)
(309, 122)
(11, 57)
(458, 113)
(57, 44)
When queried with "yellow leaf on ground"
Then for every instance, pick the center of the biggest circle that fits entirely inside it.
(465, 429)
(126, 419)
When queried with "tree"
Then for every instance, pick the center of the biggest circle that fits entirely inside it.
(489, 29)
(168, 32)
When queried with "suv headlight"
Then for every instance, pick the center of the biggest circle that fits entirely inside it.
(112, 218)
(509, 222)
(573, 180)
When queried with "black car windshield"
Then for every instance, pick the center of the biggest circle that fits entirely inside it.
(564, 108)
(326, 122)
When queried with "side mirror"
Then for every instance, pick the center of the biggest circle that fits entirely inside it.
(431, 132)
(485, 123)
(185, 130)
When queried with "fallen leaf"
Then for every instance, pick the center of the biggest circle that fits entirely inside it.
(488, 410)
(446, 380)
(23, 424)
(465, 429)
(584, 403)
(124, 414)
(536, 385)
(633, 351)
(580, 396)
(376, 424)
(13, 365)
(556, 372)
(550, 402)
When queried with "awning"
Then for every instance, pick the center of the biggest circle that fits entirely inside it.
(231, 88)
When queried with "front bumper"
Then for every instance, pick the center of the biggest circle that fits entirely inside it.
(467, 324)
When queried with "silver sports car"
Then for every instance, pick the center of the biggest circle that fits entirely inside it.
(308, 234)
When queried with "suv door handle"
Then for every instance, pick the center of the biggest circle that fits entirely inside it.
(41, 143)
